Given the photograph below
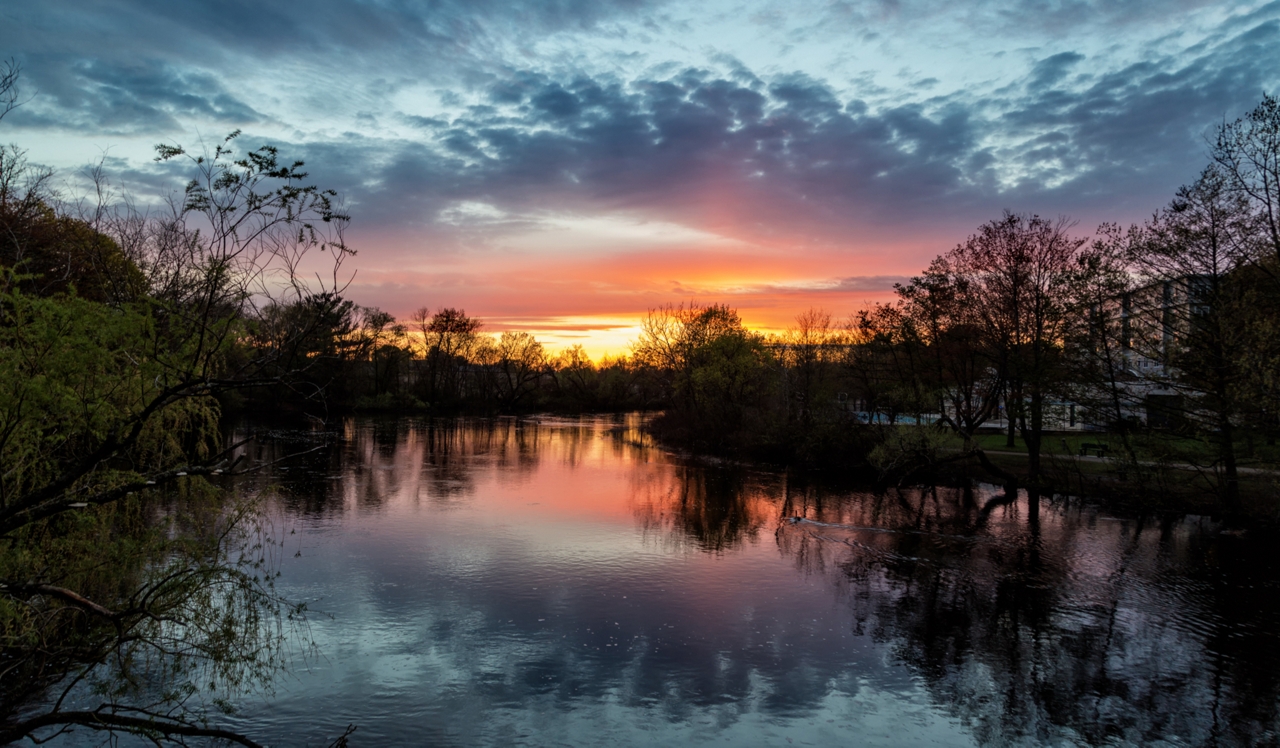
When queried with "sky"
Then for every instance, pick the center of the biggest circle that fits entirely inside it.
(563, 166)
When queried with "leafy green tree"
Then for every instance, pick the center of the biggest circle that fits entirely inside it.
(673, 342)
(715, 374)
(129, 583)
(55, 253)
(125, 578)
(729, 379)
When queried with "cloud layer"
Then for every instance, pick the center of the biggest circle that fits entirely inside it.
(578, 158)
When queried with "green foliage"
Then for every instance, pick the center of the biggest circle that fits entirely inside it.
(59, 254)
(151, 596)
(730, 373)
(906, 448)
(717, 376)
(74, 375)
(131, 585)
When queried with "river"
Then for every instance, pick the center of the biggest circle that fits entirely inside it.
(563, 581)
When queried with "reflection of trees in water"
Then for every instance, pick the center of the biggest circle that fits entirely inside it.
(437, 460)
(627, 439)
(714, 508)
(571, 440)
(1058, 626)
(370, 461)
(512, 446)
(1045, 624)
(302, 462)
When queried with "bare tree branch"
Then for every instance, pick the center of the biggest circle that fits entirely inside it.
(10, 96)
(108, 721)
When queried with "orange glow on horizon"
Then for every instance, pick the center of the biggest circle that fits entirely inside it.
(590, 282)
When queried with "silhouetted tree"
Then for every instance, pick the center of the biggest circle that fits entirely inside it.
(957, 365)
(1019, 277)
(519, 366)
(1188, 319)
(809, 353)
(449, 339)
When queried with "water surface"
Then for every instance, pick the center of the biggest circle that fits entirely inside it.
(550, 582)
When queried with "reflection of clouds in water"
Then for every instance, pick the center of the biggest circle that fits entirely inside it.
(562, 580)
(591, 642)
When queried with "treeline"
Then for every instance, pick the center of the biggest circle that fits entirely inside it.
(344, 357)
(721, 387)
(1162, 336)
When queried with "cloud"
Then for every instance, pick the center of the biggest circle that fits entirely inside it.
(454, 127)
(694, 148)
(222, 33)
(788, 161)
(1000, 18)
(871, 282)
(1053, 69)
(141, 96)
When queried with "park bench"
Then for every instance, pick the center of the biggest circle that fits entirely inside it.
(1099, 447)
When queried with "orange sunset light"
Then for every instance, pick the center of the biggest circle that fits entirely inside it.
(592, 283)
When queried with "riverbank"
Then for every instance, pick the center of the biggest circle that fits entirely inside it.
(1133, 486)
(1164, 474)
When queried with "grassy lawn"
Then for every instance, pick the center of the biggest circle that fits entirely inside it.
(1254, 453)
(1173, 472)
(1055, 444)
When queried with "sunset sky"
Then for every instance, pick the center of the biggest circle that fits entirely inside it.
(562, 166)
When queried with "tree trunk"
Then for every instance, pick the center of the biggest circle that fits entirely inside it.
(1230, 473)
(1009, 418)
(1032, 436)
